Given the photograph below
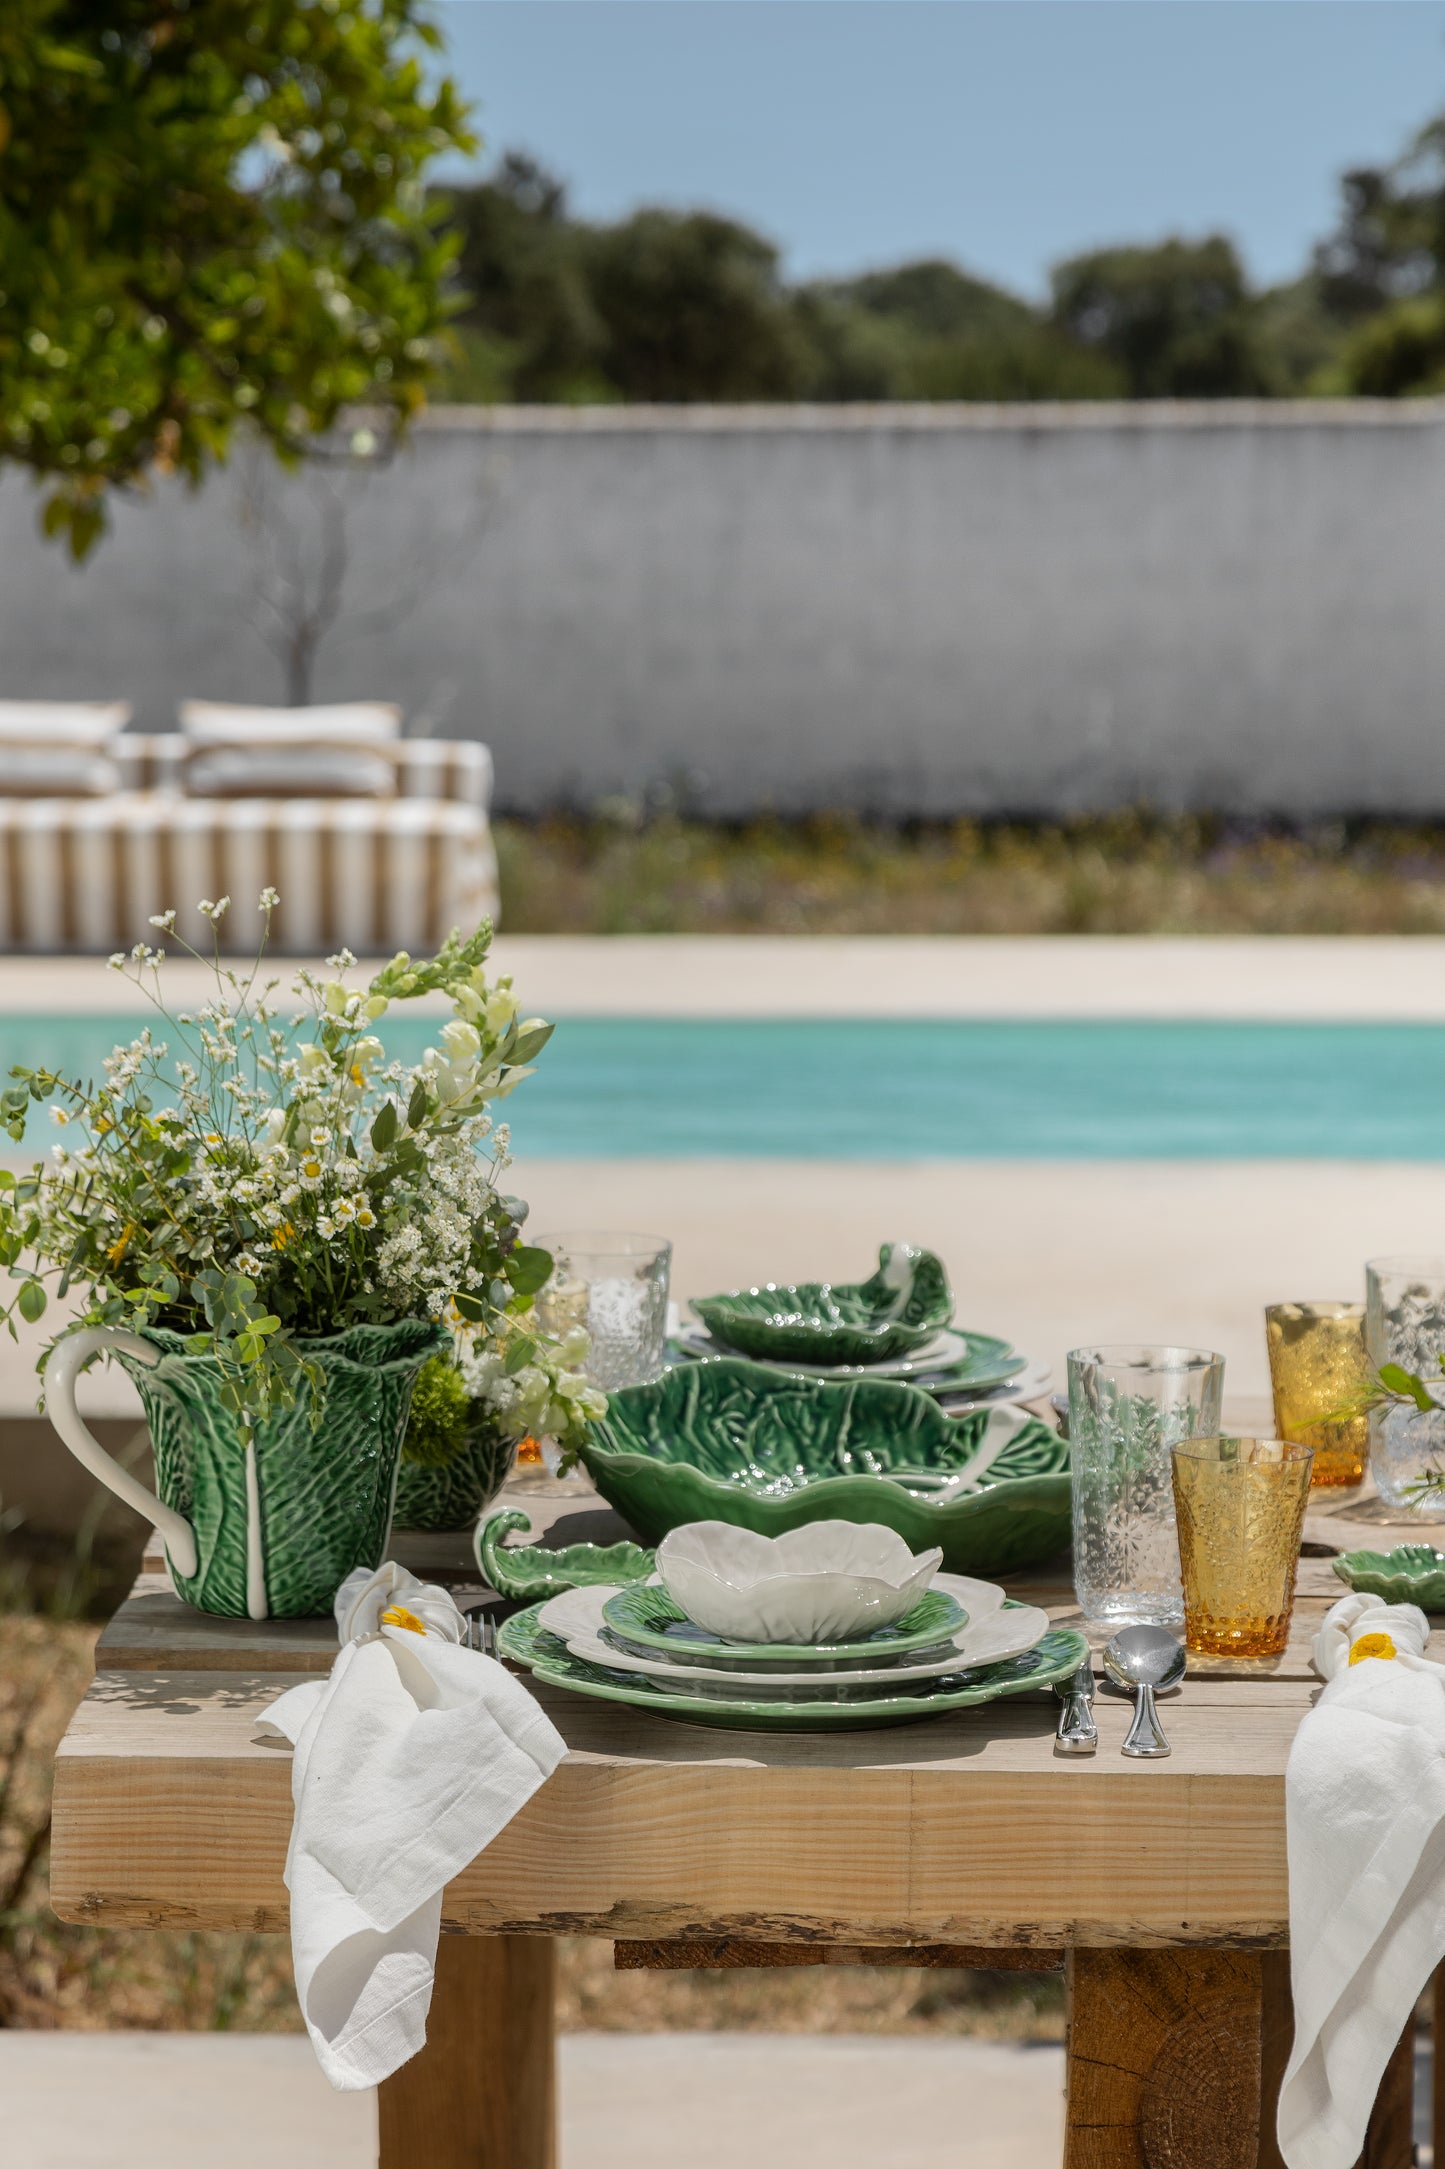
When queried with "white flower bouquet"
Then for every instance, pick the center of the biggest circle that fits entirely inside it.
(251, 1181)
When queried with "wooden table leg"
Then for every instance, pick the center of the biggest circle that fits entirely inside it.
(482, 2094)
(1168, 2053)
(1175, 2062)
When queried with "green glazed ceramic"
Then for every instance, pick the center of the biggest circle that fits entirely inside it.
(1411, 1574)
(900, 1307)
(985, 1362)
(526, 1572)
(650, 1620)
(269, 1529)
(731, 1441)
(1057, 1657)
(453, 1497)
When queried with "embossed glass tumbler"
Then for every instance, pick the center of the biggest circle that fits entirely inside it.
(1127, 1408)
(616, 1286)
(1405, 1324)
(1321, 1377)
(1241, 1507)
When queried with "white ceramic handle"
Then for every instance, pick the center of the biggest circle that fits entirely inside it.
(67, 1360)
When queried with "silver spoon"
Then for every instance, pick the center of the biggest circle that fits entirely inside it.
(1144, 1661)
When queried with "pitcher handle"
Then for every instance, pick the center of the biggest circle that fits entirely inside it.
(66, 1361)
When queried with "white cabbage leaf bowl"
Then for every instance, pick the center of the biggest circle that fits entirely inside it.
(829, 1581)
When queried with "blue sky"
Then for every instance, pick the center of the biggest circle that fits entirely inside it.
(1004, 133)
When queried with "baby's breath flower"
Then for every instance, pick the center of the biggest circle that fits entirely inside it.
(214, 912)
(269, 899)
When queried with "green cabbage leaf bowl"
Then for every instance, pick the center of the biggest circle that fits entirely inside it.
(731, 1441)
(905, 1303)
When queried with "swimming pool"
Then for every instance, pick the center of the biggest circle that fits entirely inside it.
(827, 1088)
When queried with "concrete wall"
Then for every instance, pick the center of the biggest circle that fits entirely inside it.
(914, 609)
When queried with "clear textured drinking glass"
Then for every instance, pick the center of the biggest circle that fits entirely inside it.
(1321, 1379)
(616, 1286)
(1241, 1505)
(1405, 1324)
(1128, 1408)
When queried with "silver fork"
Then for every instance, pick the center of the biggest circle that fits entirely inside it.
(481, 1633)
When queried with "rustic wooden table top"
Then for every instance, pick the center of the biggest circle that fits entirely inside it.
(170, 1809)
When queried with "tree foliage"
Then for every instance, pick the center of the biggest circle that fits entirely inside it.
(1383, 272)
(1177, 319)
(677, 306)
(211, 213)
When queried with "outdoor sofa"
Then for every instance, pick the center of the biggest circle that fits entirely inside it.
(373, 841)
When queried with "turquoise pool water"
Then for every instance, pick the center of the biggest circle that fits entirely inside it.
(833, 1089)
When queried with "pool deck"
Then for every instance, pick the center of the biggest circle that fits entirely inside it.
(1268, 978)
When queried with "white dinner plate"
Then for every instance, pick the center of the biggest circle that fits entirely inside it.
(993, 1633)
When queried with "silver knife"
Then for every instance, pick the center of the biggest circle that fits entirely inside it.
(1077, 1733)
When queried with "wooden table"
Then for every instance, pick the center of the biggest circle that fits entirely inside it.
(965, 1841)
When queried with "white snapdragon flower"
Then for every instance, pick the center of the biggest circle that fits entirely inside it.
(461, 1040)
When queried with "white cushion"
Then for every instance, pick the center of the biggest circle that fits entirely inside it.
(59, 748)
(299, 771)
(353, 722)
(73, 722)
(331, 752)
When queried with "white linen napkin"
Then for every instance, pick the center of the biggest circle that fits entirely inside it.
(410, 1758)
(1365, 1819)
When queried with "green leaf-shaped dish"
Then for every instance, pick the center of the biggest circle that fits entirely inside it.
(526, 1572)
(1410, 1574)
(814, 1321)
(730, 1441)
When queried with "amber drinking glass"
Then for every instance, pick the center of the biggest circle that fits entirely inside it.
(1240, 1504)
(1321, 1375)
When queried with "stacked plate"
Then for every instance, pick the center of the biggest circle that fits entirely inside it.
(897, 1324)
(961, 1644)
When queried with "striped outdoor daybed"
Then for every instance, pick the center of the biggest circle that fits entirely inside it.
(372, 874)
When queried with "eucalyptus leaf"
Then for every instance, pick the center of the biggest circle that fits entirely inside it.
(1406, 1386)
(529, 1268)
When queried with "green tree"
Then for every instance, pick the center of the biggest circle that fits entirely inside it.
(691, 307)
(210, 214)
(1383, 272)
(929, 330)
(1401, 352)
(1177, 318)
(531, 331)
